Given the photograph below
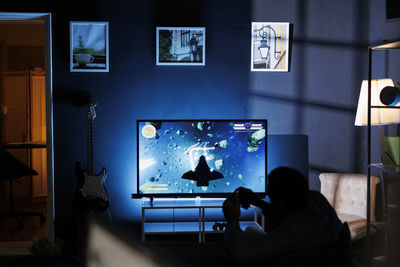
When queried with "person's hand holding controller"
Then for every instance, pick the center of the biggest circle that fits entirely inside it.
(247, 197)
(231, 207)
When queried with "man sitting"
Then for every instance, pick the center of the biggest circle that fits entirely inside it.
(302, 227)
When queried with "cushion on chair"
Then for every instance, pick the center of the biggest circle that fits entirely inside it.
(329, 183)
(346, 192)
(357, 224)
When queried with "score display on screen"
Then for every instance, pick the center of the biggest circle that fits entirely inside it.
(200, 157)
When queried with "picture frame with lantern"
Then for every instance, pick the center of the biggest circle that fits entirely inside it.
(270, 46)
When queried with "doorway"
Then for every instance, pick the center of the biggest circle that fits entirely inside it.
(26, 130)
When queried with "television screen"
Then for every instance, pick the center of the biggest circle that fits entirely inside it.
(200, 157)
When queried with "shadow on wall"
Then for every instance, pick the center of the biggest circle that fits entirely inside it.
(75, 98)
(318, 97)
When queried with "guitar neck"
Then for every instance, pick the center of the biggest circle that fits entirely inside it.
(90, 148)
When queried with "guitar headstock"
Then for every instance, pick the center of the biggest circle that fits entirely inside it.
(91, 112)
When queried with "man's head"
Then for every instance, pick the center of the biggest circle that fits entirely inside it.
(287, 189)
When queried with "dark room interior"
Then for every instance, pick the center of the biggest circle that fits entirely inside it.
(310, 108)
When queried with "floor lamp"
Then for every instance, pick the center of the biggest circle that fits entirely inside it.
(379, 116)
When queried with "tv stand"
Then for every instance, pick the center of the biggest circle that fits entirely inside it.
(198, 226)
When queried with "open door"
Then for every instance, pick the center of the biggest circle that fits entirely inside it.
(26, 90)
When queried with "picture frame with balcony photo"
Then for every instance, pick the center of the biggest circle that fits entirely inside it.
(89, 46)
(181, 46)
(270, 46)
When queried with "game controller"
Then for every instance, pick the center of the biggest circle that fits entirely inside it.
(219, 226)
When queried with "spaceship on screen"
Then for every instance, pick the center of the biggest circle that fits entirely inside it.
(202, 173)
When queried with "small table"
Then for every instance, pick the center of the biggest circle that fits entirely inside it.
(201, 226)
(19, 145)
(13, 169)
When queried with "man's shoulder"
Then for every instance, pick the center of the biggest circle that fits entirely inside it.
(315, 192)
(321, 204)
(317, 195)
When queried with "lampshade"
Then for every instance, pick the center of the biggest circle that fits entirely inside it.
(379, 116)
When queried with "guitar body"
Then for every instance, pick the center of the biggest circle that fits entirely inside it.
(90, 194)
(93, 186)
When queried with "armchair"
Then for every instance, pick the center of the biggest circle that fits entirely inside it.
(346, 192)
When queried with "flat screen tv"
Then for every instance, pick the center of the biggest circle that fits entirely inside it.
(200, 157)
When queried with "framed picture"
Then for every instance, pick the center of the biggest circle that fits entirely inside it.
(89, 46)
(269, 46)
(181, 46)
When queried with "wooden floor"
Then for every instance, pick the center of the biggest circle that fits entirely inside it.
(32, 229)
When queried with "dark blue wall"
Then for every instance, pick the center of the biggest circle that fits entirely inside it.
(319, 96)
(288, 150)
(135, 88)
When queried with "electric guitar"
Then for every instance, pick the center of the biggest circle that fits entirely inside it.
(91, 193)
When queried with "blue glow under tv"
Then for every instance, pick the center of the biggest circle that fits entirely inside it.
(200, 157)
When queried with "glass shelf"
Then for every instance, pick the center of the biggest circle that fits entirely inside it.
(183, 203)
(385, 168)
(188, 227)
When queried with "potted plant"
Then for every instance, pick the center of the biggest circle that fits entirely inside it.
(49, 253)
(45, 250)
